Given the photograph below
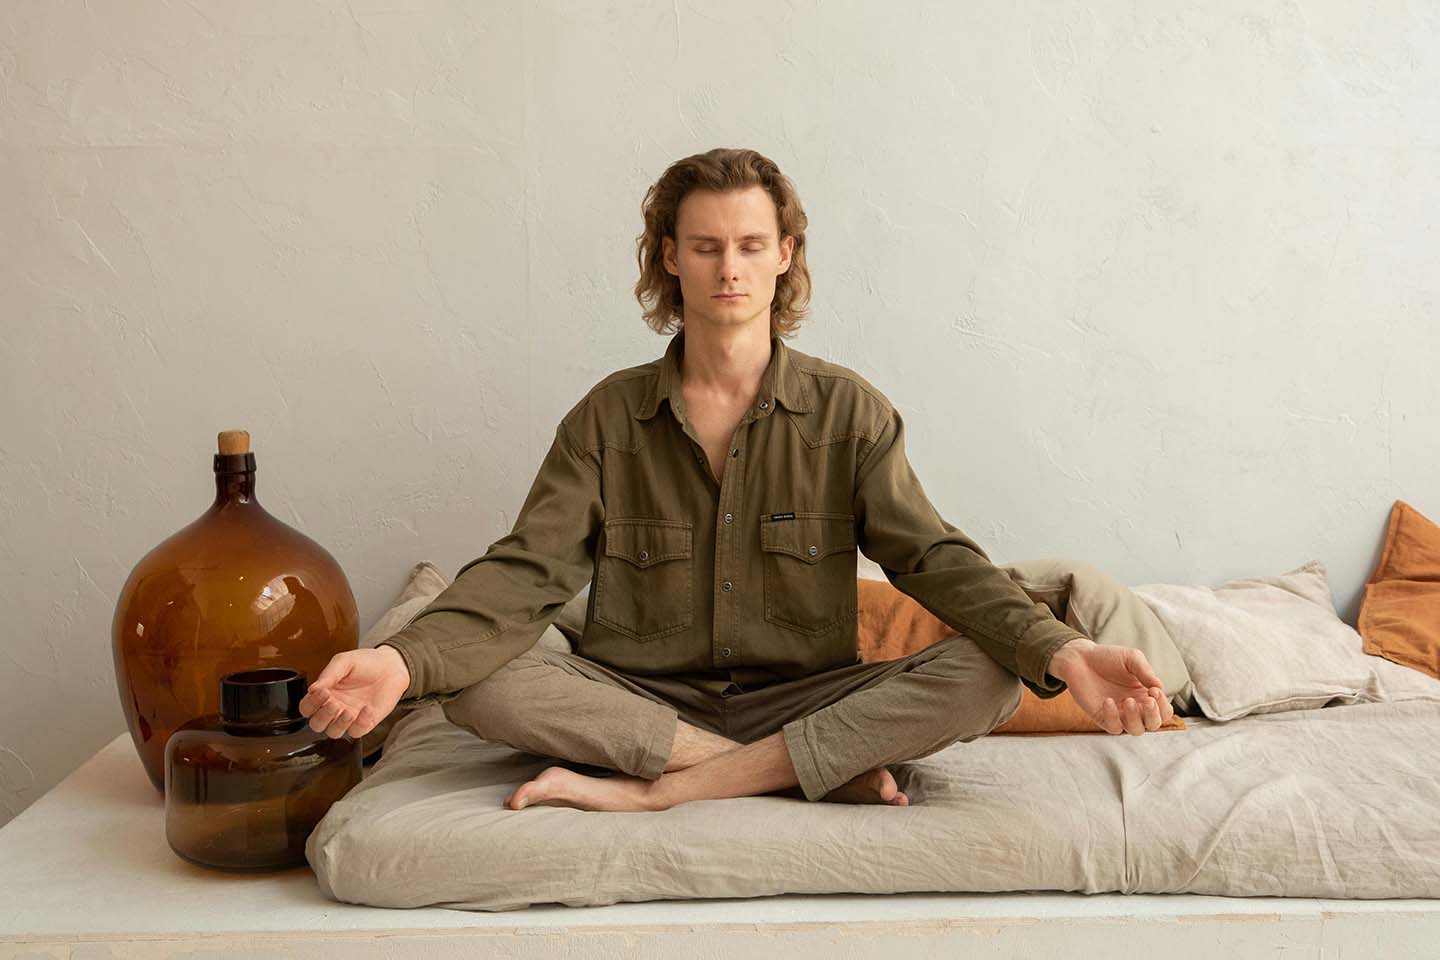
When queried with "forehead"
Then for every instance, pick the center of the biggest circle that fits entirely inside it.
(731, 212)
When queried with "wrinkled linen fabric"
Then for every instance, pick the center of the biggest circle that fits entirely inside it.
(1335, 802)
(1268, 644)
(1107, 611)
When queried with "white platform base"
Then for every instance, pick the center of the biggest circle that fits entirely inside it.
(86, 872)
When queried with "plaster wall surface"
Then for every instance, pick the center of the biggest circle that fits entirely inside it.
(1153, 285)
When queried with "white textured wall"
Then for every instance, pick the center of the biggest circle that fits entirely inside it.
(1154, 284)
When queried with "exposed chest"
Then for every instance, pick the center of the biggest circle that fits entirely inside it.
(714, 424)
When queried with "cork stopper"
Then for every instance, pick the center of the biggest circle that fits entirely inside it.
(234, 442)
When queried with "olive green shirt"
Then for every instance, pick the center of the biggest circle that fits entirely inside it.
(748, 577)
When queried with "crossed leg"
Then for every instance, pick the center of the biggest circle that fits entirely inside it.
(857, 718)
(693, 745)
(549, 703)
(951, 691)
(702, 765)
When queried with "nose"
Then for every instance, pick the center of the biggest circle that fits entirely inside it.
(729, 265)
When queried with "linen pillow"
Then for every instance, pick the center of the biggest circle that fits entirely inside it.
(423, 585)
(1266, 644)
(1106, 611)
(893, 624)
(1400, 614)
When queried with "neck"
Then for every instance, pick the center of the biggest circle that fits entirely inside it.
(725, 361)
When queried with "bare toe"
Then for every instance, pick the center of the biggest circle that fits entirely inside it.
(559, 787)
(872, 786)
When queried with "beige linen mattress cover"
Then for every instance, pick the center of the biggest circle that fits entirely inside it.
(1341, 801)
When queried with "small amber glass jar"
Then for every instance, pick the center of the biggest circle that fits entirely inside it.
(244, 788)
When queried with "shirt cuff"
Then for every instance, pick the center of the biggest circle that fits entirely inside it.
(1034, 651)
(422, 659)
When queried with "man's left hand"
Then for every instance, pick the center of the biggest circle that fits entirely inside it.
(1115, 686)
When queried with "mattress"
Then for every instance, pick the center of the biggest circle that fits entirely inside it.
(1334, 802)
(85, 871)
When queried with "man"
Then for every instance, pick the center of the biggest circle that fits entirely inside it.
(714, 499)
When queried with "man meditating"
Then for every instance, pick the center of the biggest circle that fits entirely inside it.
(715, 499)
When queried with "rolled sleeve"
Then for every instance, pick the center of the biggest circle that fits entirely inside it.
(946, 571)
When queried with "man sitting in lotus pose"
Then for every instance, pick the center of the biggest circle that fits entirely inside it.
(715, 498)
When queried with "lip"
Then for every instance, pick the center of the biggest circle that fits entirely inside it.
(728, 296)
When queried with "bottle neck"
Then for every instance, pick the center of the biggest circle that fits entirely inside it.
(234, 478)
(274, 728)
(235, 487)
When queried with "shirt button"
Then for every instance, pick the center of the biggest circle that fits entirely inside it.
(725, 651)
(645, 554)
(725, 586)
(728, 518)
(764, 404)
(813, 551)
(735, 452)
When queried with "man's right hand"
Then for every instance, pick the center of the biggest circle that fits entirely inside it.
(356, 690)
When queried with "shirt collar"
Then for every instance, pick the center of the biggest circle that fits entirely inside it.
(780, 383)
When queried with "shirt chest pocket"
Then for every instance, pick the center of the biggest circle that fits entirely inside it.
(809, 561)
(644, 582)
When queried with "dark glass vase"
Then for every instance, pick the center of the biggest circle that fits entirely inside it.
(235, 590)
(244, 788)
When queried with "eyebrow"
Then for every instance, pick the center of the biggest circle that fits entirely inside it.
(748, 236)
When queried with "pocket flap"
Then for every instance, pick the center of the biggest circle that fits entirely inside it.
(808, 536)
(645, 542)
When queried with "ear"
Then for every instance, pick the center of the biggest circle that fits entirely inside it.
(667, 256)
(787, 250)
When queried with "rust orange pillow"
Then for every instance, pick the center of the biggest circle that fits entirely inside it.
(1400, 614)
(894, 625)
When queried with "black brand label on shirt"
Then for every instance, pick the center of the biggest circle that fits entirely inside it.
(782, 516)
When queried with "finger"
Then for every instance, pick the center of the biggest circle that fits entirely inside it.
(315, 697)
(1151, 712)
(1130, 713)
(1138, 713)
(364, 722)
(336, 670)
(1110, 717)
(321, 720)
(1140, 667)
(1163, 702)
(313, 700)
(337, 727)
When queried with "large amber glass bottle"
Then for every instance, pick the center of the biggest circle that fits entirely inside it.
(235, 590)
(244, 789)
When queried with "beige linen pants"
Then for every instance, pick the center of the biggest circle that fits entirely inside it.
(837, 724)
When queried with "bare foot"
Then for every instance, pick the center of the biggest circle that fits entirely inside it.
(872, 786)
(559, 787)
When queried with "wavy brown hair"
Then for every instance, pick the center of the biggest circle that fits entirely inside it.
(720, 170)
